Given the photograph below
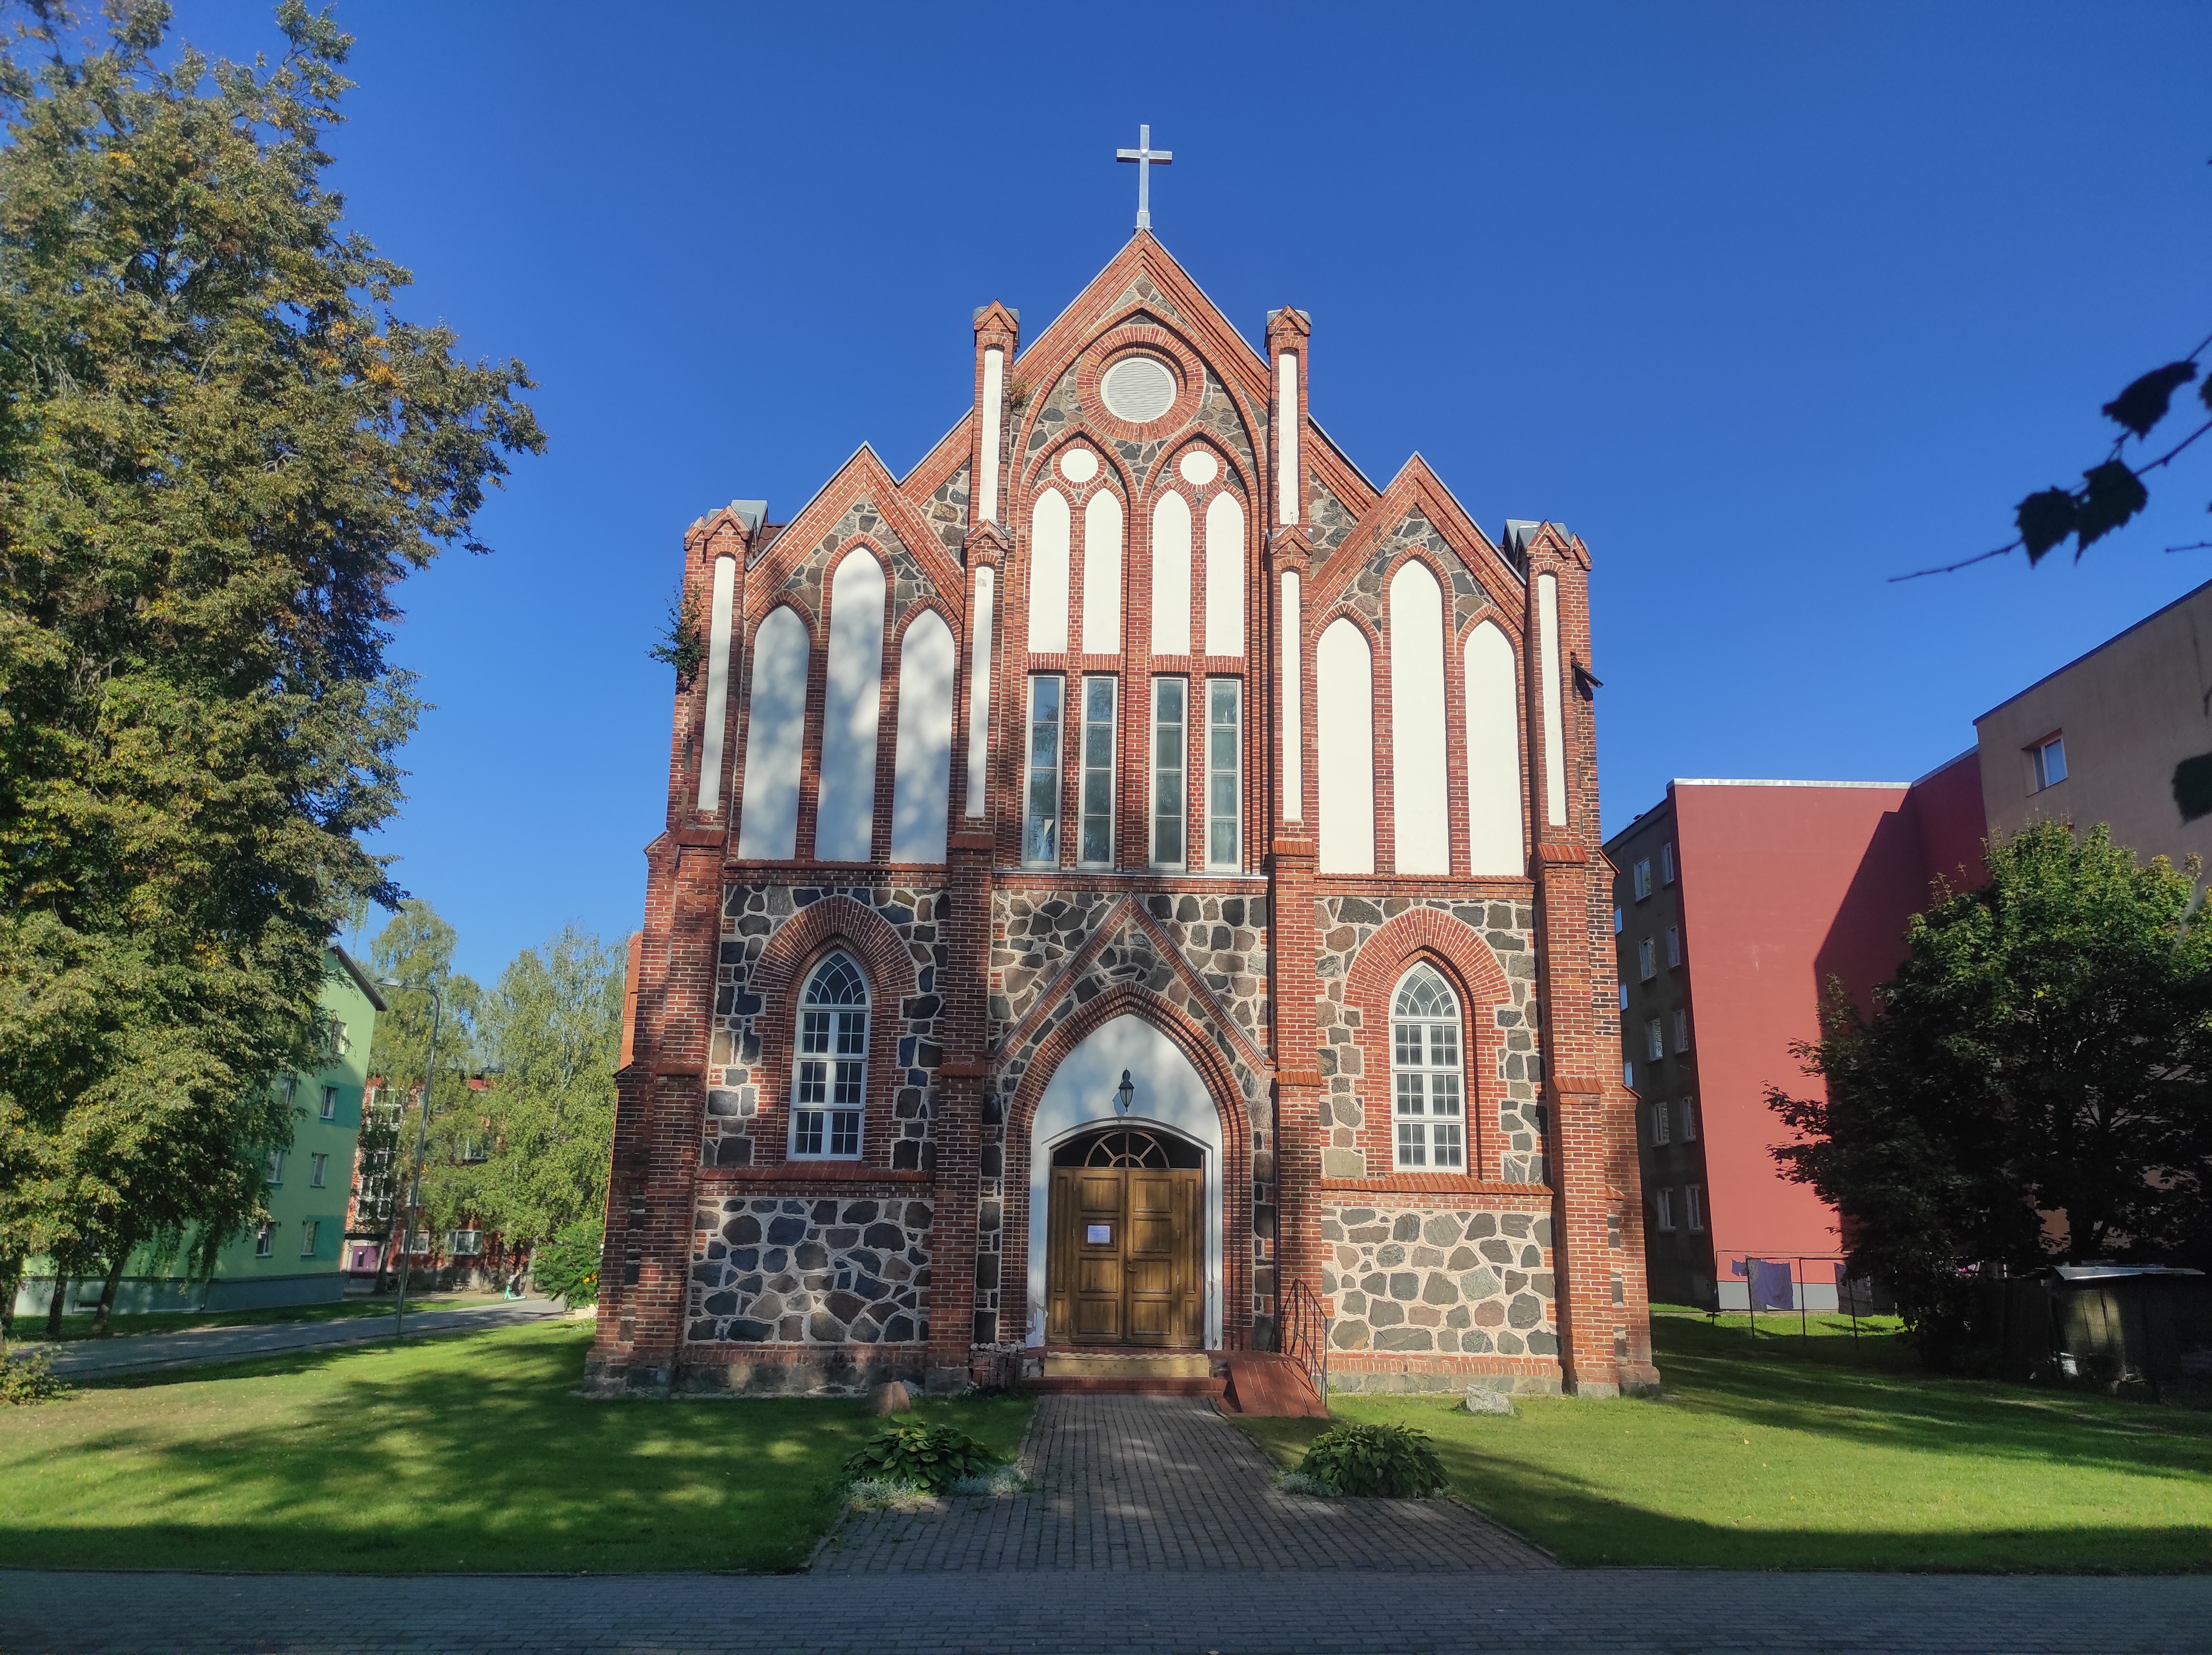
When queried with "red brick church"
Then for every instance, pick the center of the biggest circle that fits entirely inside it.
(1131, 884)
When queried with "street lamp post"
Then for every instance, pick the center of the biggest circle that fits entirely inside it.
(421, 1141)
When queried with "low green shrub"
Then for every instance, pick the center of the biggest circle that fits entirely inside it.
(29, 1377)
(1393, 1462)
(567, 1266)
(932, 1457)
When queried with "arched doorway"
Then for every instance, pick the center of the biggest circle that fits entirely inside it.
(1122, 1260)
(1168, 1105)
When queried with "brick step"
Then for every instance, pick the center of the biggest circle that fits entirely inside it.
(1067, 1384)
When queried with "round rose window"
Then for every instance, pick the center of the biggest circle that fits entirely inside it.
(1137, 389)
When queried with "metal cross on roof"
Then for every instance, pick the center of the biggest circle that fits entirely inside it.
(1147, 158)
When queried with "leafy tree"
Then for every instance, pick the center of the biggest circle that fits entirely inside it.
(2035, 1084)
(553, 1027)
(415, 950)
(219, 453)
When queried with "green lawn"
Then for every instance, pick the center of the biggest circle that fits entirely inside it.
(463, 1454)
(32, 1330)
(1768, 1451)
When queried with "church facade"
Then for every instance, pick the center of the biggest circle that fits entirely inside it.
(1129, 883)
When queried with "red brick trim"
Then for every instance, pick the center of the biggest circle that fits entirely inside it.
(834, 922)
(1463, 956)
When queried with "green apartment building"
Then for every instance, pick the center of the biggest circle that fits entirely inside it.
(296, 1257)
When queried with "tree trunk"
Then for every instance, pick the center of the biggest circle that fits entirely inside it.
(54, 1304)
(11, 1279)
(100, 1329)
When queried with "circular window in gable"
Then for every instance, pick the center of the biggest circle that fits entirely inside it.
(1137, 389)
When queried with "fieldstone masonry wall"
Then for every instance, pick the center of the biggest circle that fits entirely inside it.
(1458, 1281)
(810, 1271)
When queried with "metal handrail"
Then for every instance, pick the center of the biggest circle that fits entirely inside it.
(1305, 1336)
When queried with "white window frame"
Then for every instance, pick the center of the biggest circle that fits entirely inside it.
(2040, 765)
(1659, 1124)
(464, 1243)
(1674, 946)
(1662, 1202)
(1681, 1029)
(1228, 778)
(276, 1177)
(1094, 764)
(1647, 959)
(1693, 1206)
(1428, 1093)
(1035, 855)
(1643, 877)
(829, 1126)
(1179, 793)
(1667, 863)
(330, 1103)
(265, 1242)
(1689, 1120)
(318, 1166)
(310, 1228)
(1655, 1039)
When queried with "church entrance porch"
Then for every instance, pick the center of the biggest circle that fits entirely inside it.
(1123, 1266)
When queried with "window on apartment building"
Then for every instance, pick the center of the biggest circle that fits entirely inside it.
(1628, 1074)
(1681, 1030)
(1693, 1205)
(1674, 945)
(1654, 1047)
(1096, 849)
(345, 1040)
(1643, 877)
(1225, 771)
(276, 1167)
(2046, 763)
(318, 1167)
(1170, 756)
(418, 1243)
(1667, 863)
(1041, 819)
(1689, 1120)
(464, 1243)
(1624, 996)
(1659, 1125)
(1425, 1072)
(832, 1062)
(330, 1103)
(1663, 1202)
(287, 1090)
(265, 1242)
(1616, 922)
(1647, 959)
(309, 1229)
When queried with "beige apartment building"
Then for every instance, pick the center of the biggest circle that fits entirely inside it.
(2121, 736)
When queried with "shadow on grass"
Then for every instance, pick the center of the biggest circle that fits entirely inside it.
(462, 1453)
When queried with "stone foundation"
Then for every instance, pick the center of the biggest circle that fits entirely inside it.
(1454, 1280)
(812, 1271)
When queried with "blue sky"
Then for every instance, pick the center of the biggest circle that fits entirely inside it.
(1769, 303)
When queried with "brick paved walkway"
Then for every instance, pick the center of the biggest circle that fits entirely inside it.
(1164, 1482)
(1089, 1612)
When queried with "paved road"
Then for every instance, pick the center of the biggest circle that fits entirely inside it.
(1165, 1483)
(1328, 1612)
(146, 1352)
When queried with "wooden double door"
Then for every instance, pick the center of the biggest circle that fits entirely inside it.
(1123, 1261)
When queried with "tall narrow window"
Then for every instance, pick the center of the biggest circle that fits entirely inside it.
(1041, 826)
(1225, 771)
(1647, 960)
(1664, 1200)
(330, 1103)
(1681, 1030)
(1659, 1133)
(1689, 1120)
(318, 1167)
(276, 1167)
(1643, 878)
(2046, 763)
(1097, 849)
(1169, 758)
(1667, 863)
(1693, 1204)
(1425, 1072)
(1654, 1047)
(1674, 945)
(831, 1073)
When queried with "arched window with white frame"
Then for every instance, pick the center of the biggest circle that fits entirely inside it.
(1425, 1072)
(830, 1065)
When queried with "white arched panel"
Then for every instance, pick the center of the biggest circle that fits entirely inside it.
(1102, 574)
(1168, 1092)
(1493, 755)
(1225, 576)
(1420, 788)
(1049, 526)
(775, 726)
(923, 763)
(1171, 575)
(845, 822)
(1344, 671)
